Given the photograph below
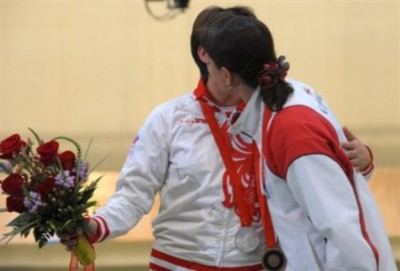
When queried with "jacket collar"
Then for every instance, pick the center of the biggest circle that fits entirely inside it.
(202, 92)
(250, 120)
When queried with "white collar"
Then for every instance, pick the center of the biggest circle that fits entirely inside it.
(250, 120)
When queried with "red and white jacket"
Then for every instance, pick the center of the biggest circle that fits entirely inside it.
(175, 155)
(323, 212)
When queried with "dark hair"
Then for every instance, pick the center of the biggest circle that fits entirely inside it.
(203, 23)
(243, 45)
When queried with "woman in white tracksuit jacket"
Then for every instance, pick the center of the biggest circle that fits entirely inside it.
(175, 154)
(322, 209)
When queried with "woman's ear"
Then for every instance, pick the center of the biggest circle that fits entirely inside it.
(227, 76)
(203, 55)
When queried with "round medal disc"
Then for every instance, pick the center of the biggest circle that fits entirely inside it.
(246, 239)
(274, 259)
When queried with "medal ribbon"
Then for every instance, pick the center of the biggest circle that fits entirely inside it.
(74, 264)
(260, 175)
(225, 150)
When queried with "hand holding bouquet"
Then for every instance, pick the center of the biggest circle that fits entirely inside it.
(48, 189)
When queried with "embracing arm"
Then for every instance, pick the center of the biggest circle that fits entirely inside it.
(360, 155)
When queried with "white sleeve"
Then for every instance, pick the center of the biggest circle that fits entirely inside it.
(140, 178)
(322, 189)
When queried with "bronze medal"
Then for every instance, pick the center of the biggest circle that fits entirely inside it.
(274, 259)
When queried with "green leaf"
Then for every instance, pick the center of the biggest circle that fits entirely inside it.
(21, 229)
(77, 146)
(88, 148)
(35, 135)
(98, 163)
(20, 220)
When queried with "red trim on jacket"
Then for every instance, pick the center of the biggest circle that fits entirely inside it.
(196, 266)
(102, 232)
(155, 267)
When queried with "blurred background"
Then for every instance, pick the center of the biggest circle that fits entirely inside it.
(94, 69)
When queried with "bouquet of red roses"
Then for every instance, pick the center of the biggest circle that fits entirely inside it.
(48, 189)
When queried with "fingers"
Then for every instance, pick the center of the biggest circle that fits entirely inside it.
(69, 244)
(349, 145)
(357, 154)
(351, 154)
(69, 240)
(351, 149)
(356, 163)
(354, 159)
(349, 135)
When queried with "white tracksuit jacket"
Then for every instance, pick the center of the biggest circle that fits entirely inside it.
(323, 211)
(175, 155)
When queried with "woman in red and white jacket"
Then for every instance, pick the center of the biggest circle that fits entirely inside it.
(321, 207)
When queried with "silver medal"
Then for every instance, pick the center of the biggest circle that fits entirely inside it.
(274, 259)
(246, 239)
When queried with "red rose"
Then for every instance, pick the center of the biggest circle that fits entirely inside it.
(15, 204)
(10, 145)
(46, 186)
(12, 185)
(48, 152)
(67, 159)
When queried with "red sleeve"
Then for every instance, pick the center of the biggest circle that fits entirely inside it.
(297, 131)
